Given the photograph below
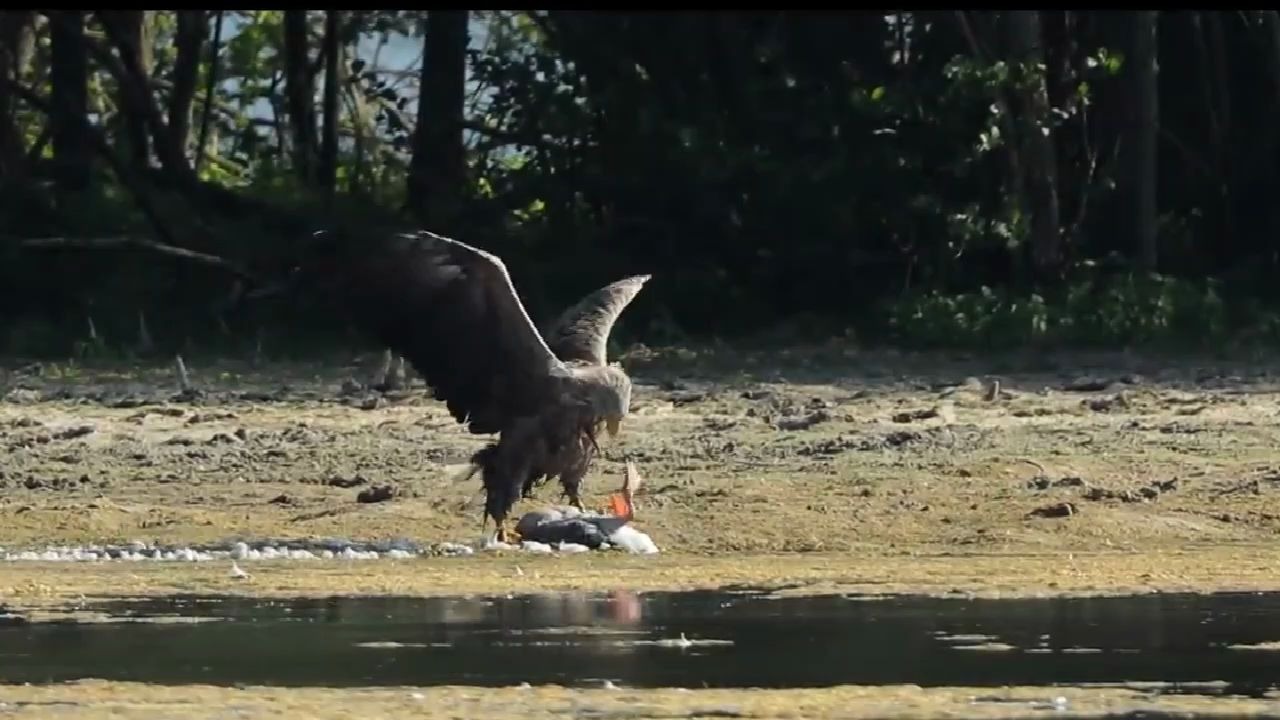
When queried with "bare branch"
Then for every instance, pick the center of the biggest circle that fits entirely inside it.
(1089, 188)
(115, 242)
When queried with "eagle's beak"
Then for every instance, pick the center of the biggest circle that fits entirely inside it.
(611, 424)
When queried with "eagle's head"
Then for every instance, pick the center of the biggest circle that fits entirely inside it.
(607, 395)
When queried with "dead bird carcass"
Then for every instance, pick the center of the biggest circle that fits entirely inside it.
(564, 524)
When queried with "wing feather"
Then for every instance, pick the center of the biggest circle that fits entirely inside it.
(452, 311)
(582, 331)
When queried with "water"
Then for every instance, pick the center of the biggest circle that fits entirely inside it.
(575, 639)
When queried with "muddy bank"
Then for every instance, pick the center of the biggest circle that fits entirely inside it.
(57, 586)
(826, 467)
(96, 699)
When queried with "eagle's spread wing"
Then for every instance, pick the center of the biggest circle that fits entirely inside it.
(450, 309)
(582, 331)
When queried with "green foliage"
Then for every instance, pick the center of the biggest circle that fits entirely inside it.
(765, 168)
(1092, 310)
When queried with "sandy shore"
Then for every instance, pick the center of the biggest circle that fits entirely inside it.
(95, 699)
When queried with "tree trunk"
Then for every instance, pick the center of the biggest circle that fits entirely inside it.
(132, 73)
(191, 30)
(437, 172)
(327, 174)
(299, 90)
(211, 86)
(69, 79)
(1271, 18)
(15, 50)
(1145, 122)
(133, 36)
(1040, 169)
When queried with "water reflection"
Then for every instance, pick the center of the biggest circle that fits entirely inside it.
(634, 639)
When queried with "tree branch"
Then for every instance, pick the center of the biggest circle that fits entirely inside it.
(115, 242)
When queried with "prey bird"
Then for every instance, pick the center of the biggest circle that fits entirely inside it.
(451, 311)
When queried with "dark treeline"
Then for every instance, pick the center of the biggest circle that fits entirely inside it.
(945, 178)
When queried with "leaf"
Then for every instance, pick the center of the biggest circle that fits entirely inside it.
(877, 93)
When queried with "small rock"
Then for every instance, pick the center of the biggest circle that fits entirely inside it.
(1087, 384)
(72, 433)
(686, 398)
(1057, 510)
(899, 438)
(127, 403)
(341, 482)
(1106, 404)
(906, 417)
(803, 422)
(22, 396)
(1044, 482)
(1039, 482)
(210, 417)
(380, 493)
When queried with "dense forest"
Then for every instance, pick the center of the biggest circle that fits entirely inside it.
(940, 178)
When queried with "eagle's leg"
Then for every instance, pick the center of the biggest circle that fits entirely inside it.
(503, 485)
(575, 470)
(532, 482)
(571, 481)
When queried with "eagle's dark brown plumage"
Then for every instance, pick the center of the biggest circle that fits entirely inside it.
(451, 311)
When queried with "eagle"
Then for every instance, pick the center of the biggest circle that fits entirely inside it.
(451, 311)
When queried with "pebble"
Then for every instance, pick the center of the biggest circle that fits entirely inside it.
(140, 551)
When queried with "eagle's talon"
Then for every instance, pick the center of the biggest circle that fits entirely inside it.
(507, 535)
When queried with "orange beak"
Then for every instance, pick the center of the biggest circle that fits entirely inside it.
(620, 502)
(620, 505)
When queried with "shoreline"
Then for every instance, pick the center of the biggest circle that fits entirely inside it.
(31, 585)
(102, 699)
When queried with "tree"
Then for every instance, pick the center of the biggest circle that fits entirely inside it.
(299, 88)
(437, 172)
(1039, 181)
(332, 50)
(69, 81)
(192, 25)
(16, 38)
(1145, 118)
(134, 45)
